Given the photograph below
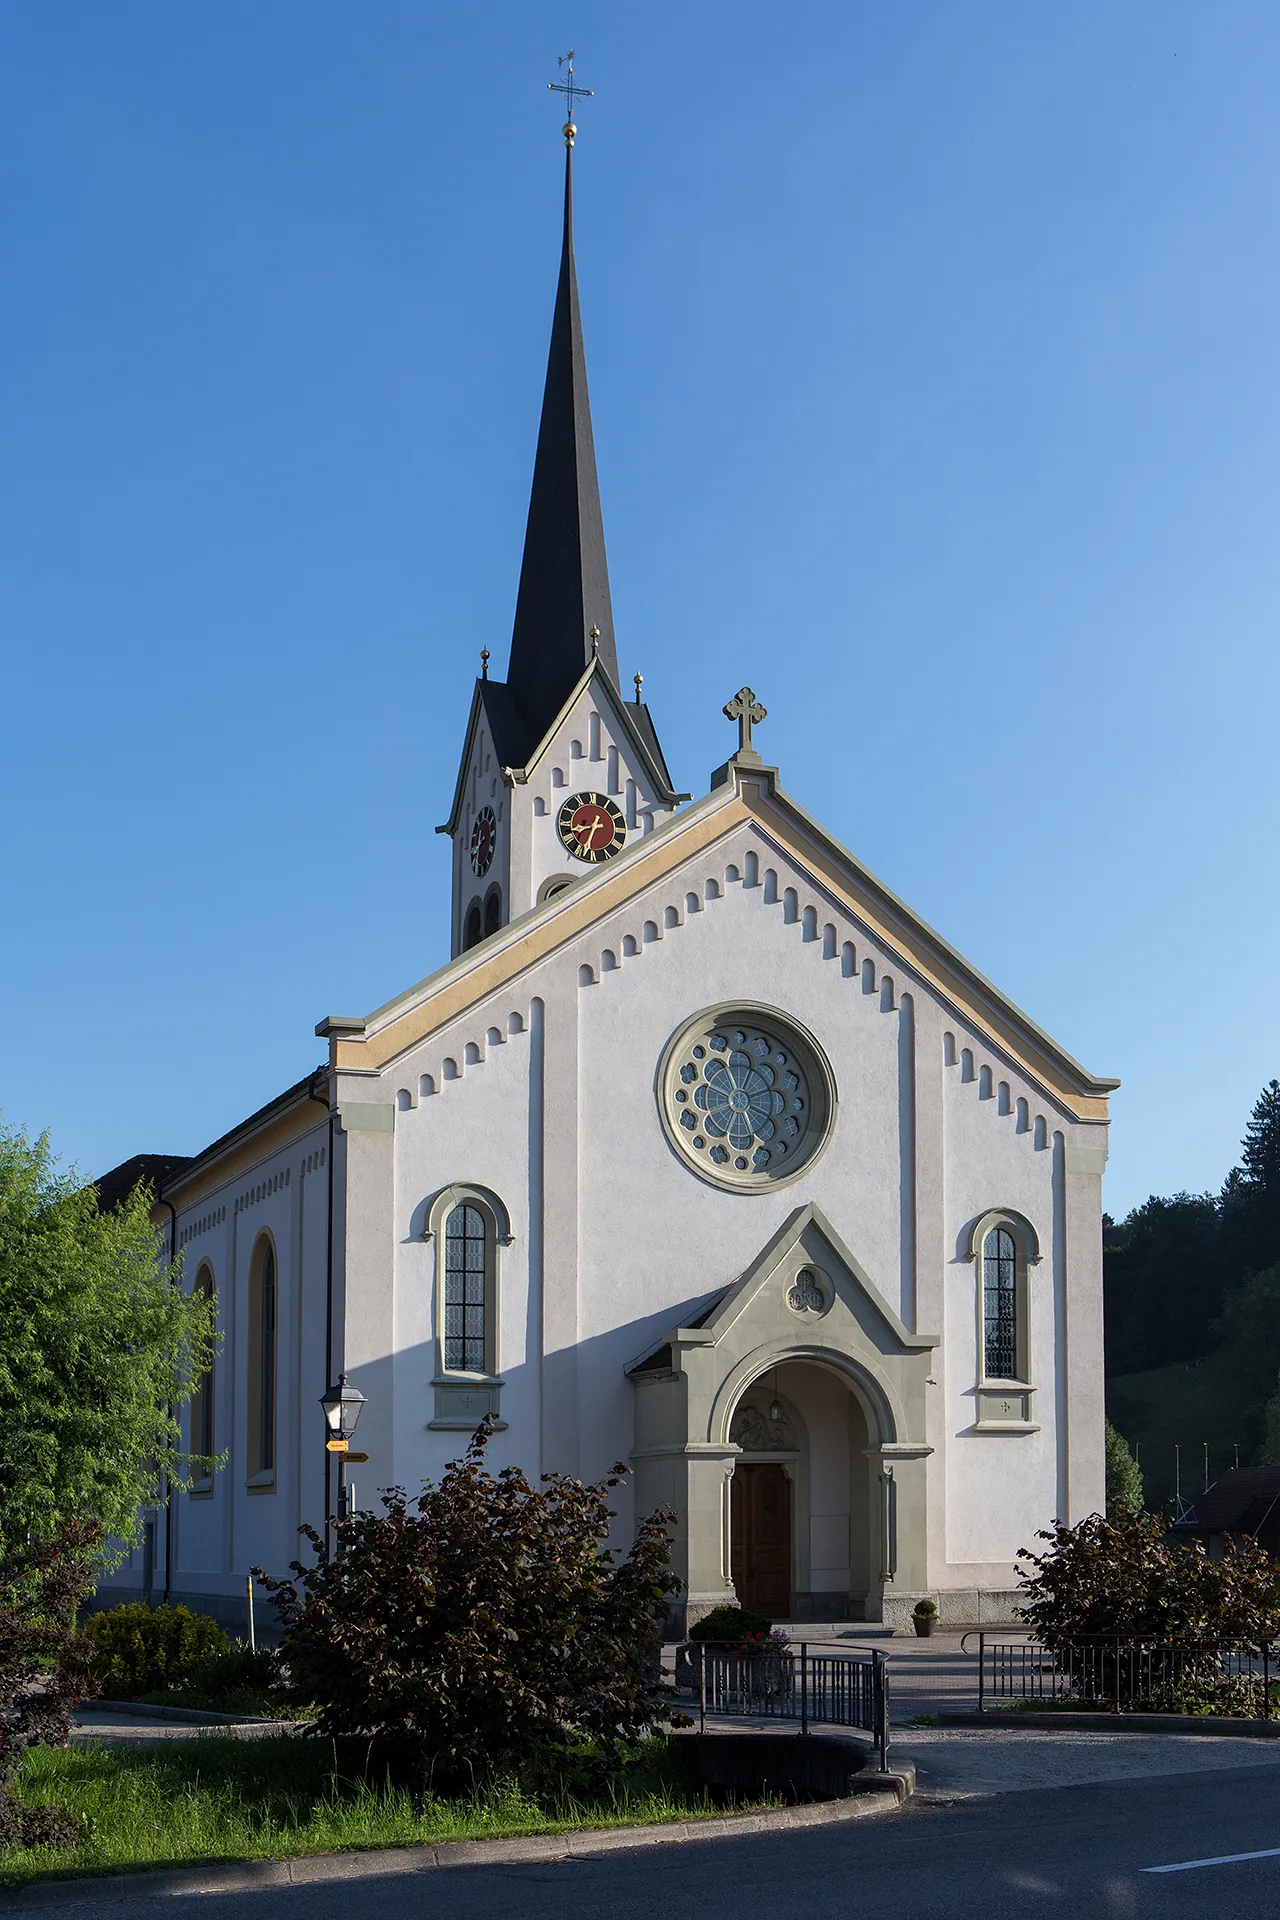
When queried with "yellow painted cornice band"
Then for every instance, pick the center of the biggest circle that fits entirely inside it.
(750, 794)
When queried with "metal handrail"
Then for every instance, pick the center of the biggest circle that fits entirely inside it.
(1123, 1670)
(837, 1686)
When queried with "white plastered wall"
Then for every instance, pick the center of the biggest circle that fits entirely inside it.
(621, 1240)
(218, 1536)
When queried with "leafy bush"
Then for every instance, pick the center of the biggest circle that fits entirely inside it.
(1122, 1575)
(139, 1649)
(730, 1623)
(44, 1670)
(240, 1679)
(924, 1609)
(484, 1628)
(1124, 1475)
(238, 1676)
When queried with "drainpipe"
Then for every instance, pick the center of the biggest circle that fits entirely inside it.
(328, 1306)
(168, 1481)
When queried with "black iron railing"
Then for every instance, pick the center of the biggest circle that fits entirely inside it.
(1129, 1673)
(844, 1687)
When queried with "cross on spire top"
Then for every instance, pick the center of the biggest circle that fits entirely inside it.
(570, 89)
(747, 711)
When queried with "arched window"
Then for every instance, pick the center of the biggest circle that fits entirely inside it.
(202, 1427)
(1000, 1305)
(474, 932)
(551, 889)
(492, 913)
(261, 1382)
(466, 1290)
(470, 1227)
(1004, 1248)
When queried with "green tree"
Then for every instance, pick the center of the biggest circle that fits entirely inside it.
(1124, 1476)
(1248, 1330)
(99, 1348)
(1261, 1142)
(1162, 1282)
(1251, 1197)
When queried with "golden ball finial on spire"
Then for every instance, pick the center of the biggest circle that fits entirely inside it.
(569, 130)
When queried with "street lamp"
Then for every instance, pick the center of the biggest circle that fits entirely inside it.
(342, 1403)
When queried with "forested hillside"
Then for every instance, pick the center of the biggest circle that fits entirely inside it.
(1192, 1297)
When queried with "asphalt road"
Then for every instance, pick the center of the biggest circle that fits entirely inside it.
(1080, 1850)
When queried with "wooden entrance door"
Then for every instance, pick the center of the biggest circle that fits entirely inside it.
(760, 1538)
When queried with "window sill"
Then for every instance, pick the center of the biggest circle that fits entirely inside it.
(261, 1483)
(200, 1490)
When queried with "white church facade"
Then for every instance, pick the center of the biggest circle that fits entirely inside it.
(703, 1153)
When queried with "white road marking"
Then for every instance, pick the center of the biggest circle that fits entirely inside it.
(1219, 1860)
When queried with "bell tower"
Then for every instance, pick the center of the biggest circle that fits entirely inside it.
(557, 729)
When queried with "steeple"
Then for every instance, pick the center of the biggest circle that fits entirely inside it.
(564, 578)
(557, 727)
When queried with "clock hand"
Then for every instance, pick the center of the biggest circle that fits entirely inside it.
(592, 831)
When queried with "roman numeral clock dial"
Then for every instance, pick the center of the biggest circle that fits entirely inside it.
(591, 827)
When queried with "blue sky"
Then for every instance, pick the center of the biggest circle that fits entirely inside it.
(934, 362)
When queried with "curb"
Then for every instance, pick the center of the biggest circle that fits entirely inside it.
(1009, 1722)
(252, 1876)
(191, 1716)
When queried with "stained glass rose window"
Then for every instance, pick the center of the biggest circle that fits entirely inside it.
(745, 1097)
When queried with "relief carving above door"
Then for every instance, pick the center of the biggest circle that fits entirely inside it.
(754, 1432)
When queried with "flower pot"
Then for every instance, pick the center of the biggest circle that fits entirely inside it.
(924, 1624)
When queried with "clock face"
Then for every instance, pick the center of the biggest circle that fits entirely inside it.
(591, 826)
(484, 838)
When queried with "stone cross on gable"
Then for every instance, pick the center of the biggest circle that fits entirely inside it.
(747, 711)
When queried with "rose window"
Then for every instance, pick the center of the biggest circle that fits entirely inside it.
(745, 1101)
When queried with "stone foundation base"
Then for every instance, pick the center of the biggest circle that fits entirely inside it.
(957, 1607)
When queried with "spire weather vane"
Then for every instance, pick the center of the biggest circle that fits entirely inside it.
(570, 89)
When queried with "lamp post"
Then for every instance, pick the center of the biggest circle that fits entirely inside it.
(342, 1403)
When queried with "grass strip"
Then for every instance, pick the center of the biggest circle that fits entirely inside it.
(213, 1798)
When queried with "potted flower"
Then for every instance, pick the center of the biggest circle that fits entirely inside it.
(726, 1628)
(924, 1617)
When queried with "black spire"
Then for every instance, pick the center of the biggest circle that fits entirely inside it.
(564, 578)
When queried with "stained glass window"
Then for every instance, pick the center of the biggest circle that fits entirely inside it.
(465, 1290)
(743, 1100)
(1000, 1304)
(266, 1332)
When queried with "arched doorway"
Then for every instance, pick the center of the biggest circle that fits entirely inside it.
(802, 1511)
(856, 1379)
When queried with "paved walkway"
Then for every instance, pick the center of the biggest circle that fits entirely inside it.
(957, 1762)
(935, 1675)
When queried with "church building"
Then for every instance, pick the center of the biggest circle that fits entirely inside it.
(702, 1152)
